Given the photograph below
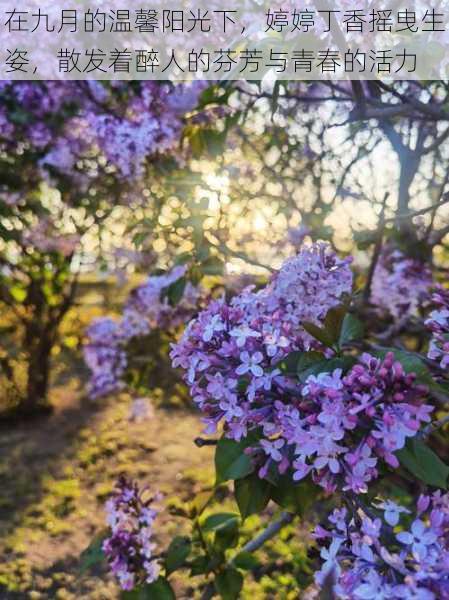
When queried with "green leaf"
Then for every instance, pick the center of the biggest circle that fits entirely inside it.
(177, 553)
(19, 116)
(328, 366)
(296, 497)
(319, 334)
(176, 291)
(365, 239)
(229, 584)
(304, 364)
(333, 322)
(136, 594)
(442, 387)
(214, 141)
(214, 95)
(295, 362)
(352, 329)
(242, 384)
(230, 460)
(226, 538)
(246, 561)
(330, 333)
(252, 494)
(213, 266)
(93, 554)
(308, 360)
(18, 293)
(158, 590)
(199, 566)
(422, 462)
(139, 238)
(183, 258)
(275, 97)
(220, 522)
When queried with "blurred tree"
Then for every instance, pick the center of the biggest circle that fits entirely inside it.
(70, 154)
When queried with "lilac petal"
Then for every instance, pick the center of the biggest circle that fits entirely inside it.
(405, 537)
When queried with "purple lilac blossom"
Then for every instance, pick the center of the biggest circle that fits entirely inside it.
(297, 235)
(335, 428)
(438, 325)
(400, 283)
(147, 309)
(44, 237)
(344, 425)
(129, 549)
(67, 121)
(105, 356)
(149, 301)
(368, 559)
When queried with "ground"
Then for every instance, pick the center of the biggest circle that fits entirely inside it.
(56, 473)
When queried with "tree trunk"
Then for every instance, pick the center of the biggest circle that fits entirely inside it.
(35, 401)
(409, 164)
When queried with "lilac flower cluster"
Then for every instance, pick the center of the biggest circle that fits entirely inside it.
(297, 235)
(129, 549)
(43, 236)
(105, 356)
(333, 427)
(65, 122)
(41, 106)
(400, 556)
(250, 335)
(343, 425)
(400, 283)
(149, 300)
(152, 124)
(438, 324)
(147, 308)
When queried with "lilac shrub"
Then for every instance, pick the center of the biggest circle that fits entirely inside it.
(149, 301)
(105, 356)
(297, 404)
(129, 549)
(151, 124)
(400, 283)
(241, 342)
(147, 308)
(397, 555)
(121, 123)
(335, 427)
(45, 237)
(70, 152)
(438, 325)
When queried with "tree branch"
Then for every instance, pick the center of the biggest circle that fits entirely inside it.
(377, 251)
(273, 529)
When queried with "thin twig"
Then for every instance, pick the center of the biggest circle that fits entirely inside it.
(209, 591)
(201, 442)
(285, 519)
(377, 251)
(421, 211)
(273, 529)
(432, 427)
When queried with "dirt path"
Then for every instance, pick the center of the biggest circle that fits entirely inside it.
(55, 475)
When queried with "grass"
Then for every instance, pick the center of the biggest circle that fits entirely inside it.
(56, 474)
